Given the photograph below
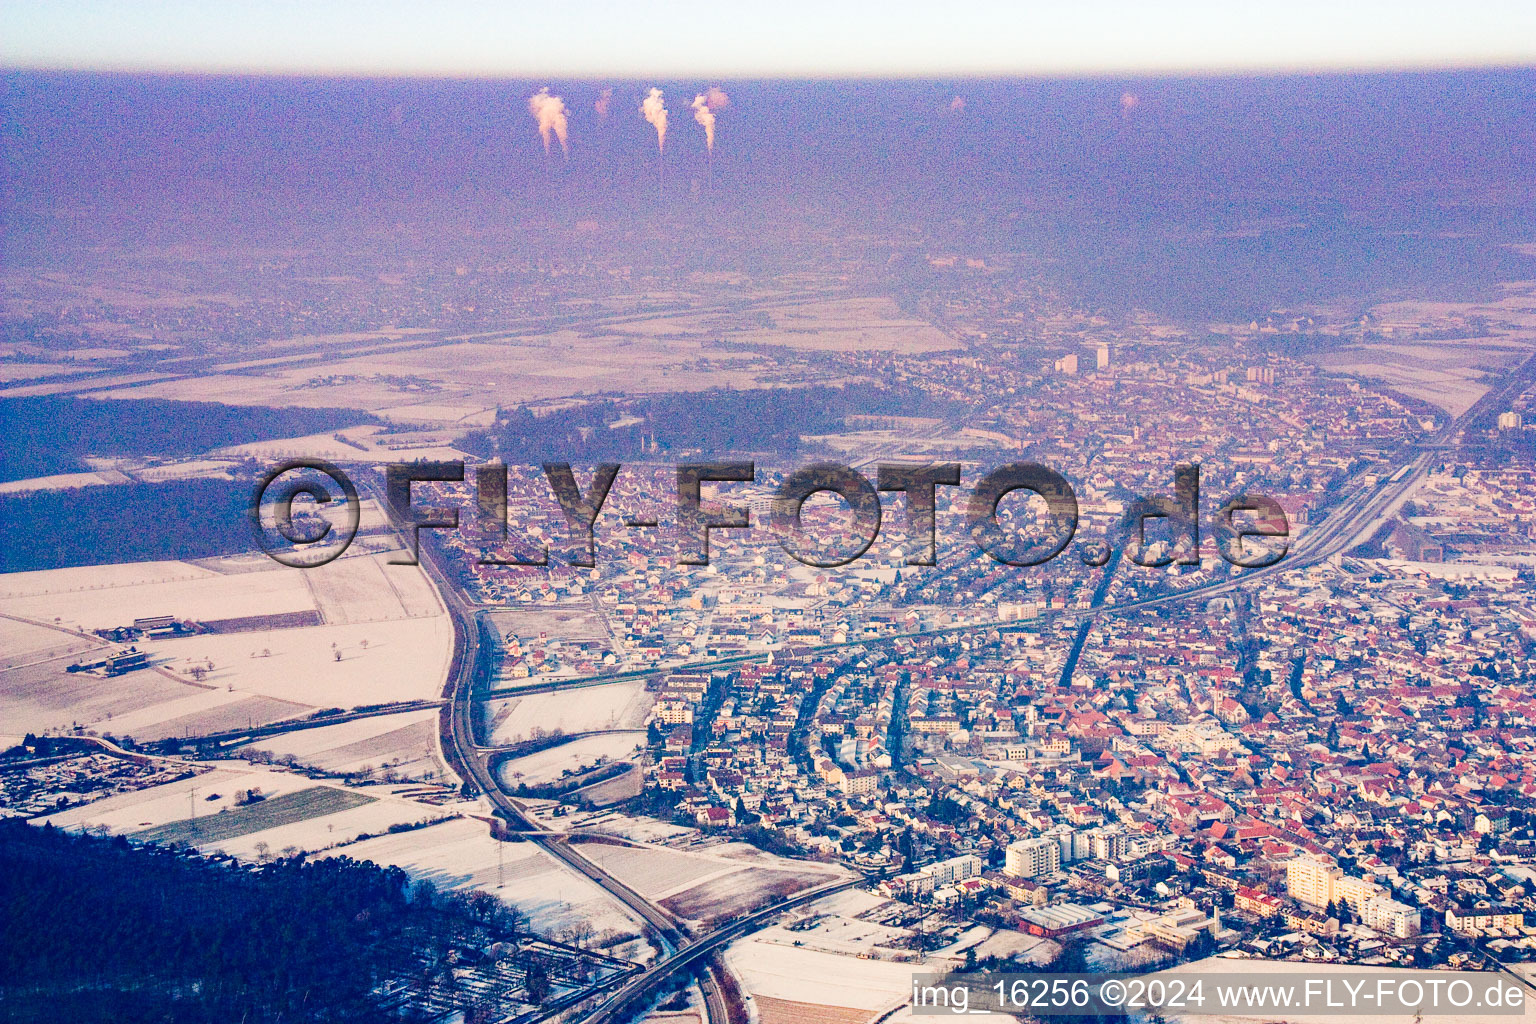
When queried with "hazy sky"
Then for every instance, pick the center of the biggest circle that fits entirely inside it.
(583, 38)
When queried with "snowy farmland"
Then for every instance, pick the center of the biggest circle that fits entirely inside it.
(790, 985)
(203, 795)
(734, 875)
(356, 631)
(614, 706)
(769, 965)
(461, 854)
(405, 744)
(38, 695)
(657, 872)
(645, 830)
(379, 662)
(718, 897)
(267, 814)
(103, 596)
(555, 763)
(207, 812)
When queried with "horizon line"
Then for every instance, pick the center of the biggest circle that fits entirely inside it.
(1215, 71)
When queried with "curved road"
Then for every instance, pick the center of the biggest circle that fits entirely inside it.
(464, 755)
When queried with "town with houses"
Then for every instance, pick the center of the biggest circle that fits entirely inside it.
(1136, 754)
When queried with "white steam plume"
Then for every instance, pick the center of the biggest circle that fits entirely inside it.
(655, 111)
(705, 117)
(550, 113)
(704, 106)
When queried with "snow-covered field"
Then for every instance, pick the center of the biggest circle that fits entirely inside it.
(211, 798)
(703, 878)
(187, 703)
(328, 830)
(615, 706)
(646, 830)
(56, 482)
(43, 696)
(23, 644)
(799, 984)
(325, 446)
(351, 590)
(658, 873)
(201, 796)
(839, 934)
(716, 897)
(850, 903)
(354, 588)
(550, 765)
(102, 596)
(750, 854)
(405, 743)
(380, 661)
(188, 469)
(1004, 942)
(393, 638)
(772, 967)
(461, 853)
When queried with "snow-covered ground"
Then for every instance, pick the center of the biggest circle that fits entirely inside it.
(550, 765)
(405, 743)
(328, 830)
(819, 980)
(393, 638)
(56, 482)
(809, 976)
(615, 706)
(647, 830)
(369, 589)
(103, 596)
(1004, 942)
(400, 659)
(23, 643)
(659, 873)
(461, 853)
(177, 801)
(325, 446)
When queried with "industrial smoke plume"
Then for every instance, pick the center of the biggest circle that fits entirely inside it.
(550, 113)
(705, 117)
(655, 111)
(704, 106)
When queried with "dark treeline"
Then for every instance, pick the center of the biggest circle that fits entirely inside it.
(94, 929)
(715, 422)
(47, 434)
(125, 523)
